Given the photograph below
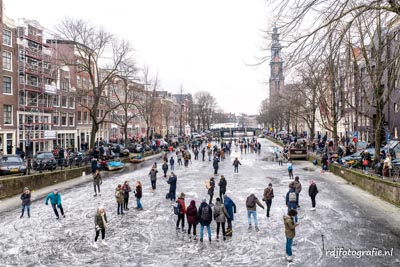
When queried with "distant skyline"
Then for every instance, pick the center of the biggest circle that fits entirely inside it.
(202, 45)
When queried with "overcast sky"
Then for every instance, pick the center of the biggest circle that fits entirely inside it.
(202, 45)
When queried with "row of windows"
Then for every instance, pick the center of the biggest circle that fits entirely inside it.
(65, 119)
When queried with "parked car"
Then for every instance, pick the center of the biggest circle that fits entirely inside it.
(44, 161)
(12, 164)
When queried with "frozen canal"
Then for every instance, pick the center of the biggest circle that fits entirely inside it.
(345, 215)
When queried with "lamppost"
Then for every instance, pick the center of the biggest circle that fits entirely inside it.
(28, 145)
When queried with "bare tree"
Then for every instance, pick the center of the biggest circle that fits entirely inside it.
(99, 55)
(205, 105)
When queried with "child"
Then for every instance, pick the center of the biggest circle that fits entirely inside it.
(26, 202)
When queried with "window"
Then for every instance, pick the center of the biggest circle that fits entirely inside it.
(396, 107)
(79, 117)
(56, 101)
(33, 81)
(71, 102)
(85, 117)
(7, 114)
(7, 59)
(7, 85)
(64, 101)
(64, 84)
(64, 119)
(56, 119)
(79, 81)
(7, 37)
(71, 119)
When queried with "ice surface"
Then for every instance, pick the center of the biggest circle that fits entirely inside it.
(345, 215)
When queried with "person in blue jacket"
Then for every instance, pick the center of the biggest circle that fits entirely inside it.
(292, 199)
(55, 200)
(231, 209)
(172, 186)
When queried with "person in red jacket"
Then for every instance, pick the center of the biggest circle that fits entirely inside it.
(191, 215)
(182, 212)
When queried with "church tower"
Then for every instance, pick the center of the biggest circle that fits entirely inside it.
(276, 79)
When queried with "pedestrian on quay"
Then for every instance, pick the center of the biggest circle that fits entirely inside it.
(119, 196)
(127, 189)
(205, 218)
(251, 205)
(297, 188)
(231, 209)
(220, 216)
(290, 168)
(312, 192)
(268, 196)
(292, 199)
(97, 181)
(164, 167)
(290, 232)
(172, 163)
(153, 178)
(236, 164)
(181, 213)
(192, 219)
(55, 201)
(26, 202)
(138, 195)
(172, 186)
(101, 224)
(211, 187)
(222, 187)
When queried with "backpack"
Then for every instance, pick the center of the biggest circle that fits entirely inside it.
(205, 216)
(250, 202)
(177, 208)
(292, 197)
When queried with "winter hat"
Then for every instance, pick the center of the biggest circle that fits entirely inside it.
(204, 200)
(269, 184)
(182, 195)
(192, 202)
(55, 190)
(296, 178)
(226, 195)
(26, 188)
(218, 199)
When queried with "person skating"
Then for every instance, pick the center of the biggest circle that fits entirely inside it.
(312, 192)
(164, 167)
(203, 153)
(26, 202)
(297, 188)
(55, 201)
(138, 195)
(222, 187)
(231, 209)
(97, 181)
(290, 168)
(268, 196)
(216, 165)
(251, 205)
(172, 163)
(220, 216)
(236, 164)
(280, 158)
(211, 189)
(153, 178)
(290, 232)
(172, 186)
(192, 219)
(209, 153)
(292, 199)
(101, 224)
(196, 154)
(205, 217)
(119, 196)
(127, 189)
(181, 213)
(179, 157)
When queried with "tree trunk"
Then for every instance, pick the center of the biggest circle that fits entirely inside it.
(95, 128)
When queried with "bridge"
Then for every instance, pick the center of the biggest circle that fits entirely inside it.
(236, 132)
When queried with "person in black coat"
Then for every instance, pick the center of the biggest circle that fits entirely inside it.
(172, 186)
(165, 168)
(211, 189)
(222, 187)
(312, 192)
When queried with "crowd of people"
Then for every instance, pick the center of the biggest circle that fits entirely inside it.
(222, 210)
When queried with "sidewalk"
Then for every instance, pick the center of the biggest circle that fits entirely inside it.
(15, 201)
